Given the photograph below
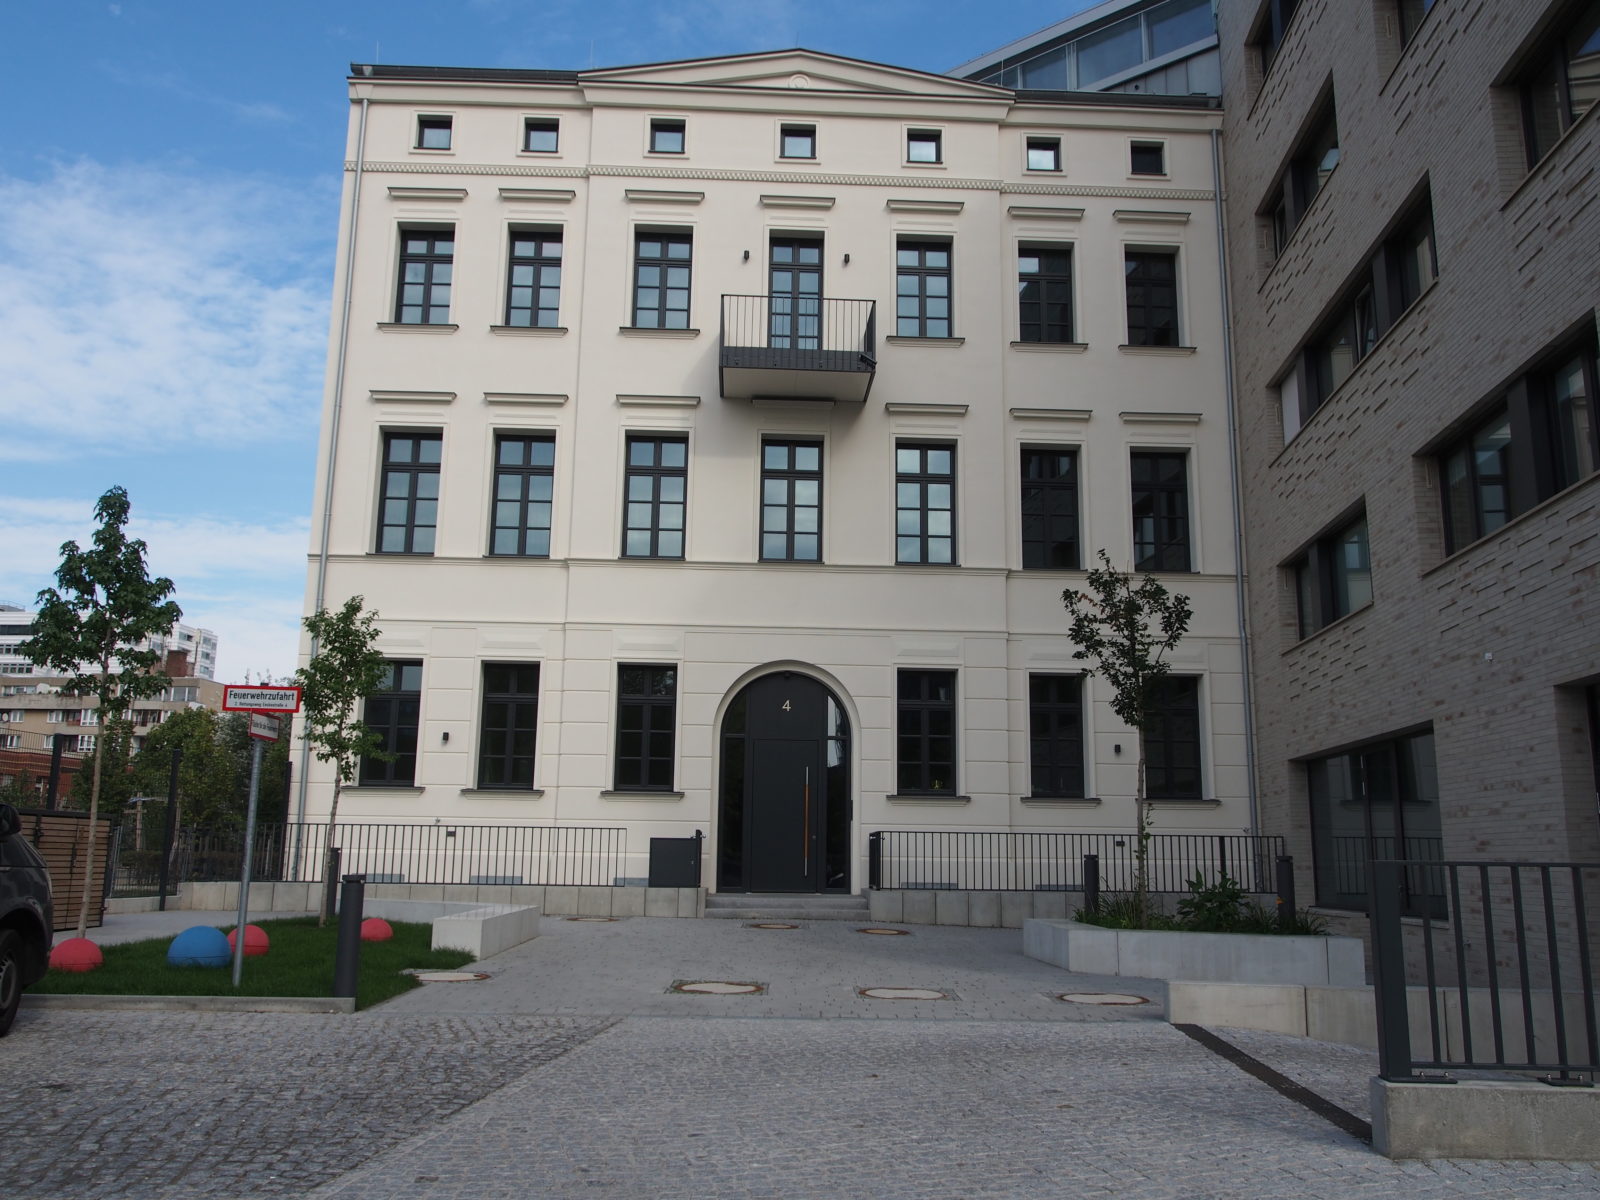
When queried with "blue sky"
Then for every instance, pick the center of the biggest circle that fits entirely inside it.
(169, 191)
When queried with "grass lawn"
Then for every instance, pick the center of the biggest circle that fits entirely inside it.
(299, 963)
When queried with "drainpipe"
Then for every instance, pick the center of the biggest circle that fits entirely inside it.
(1233, 474)
(333, 447)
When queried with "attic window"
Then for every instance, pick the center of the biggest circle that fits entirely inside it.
(666, 137)
(433, 133)
(924, 146)
(541, 137)
(799, 141)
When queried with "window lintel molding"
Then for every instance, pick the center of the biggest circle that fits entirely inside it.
(948, 207)
(1149, 216)
(1036, 212)
(401, 192)
(662, 196)
(1160, 418)
(777, 201)
(1052, 414)
(543, 399)
(627, 401)
(536, 195)
(383, 396)
(915, 409)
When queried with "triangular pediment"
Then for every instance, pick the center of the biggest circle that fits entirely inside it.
(793, 70)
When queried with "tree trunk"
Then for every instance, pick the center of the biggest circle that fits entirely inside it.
(1141, 850)
(327, 848)
(88, 858)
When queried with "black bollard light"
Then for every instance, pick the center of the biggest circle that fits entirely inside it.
(347, 957)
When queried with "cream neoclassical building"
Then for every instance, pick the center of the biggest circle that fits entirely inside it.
(716, 439)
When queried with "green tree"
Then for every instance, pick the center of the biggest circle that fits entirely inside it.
(110, 757)
(208, 775)
(345, 668)
(89, 627)
(1125, 629)
(273, 798)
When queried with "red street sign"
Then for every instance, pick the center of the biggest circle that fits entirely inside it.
(244, 697)
(263, 727)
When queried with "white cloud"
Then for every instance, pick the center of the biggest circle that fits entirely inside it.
(243, 580)
(137, 305)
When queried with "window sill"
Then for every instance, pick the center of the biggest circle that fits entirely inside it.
(926, 166)
(409, 327)
(1167, 351)
(403, 788)
(529, 330)
(642, 795)
(646, 332)
(399, 554)
(1051, 347)
(935, 798)
(1333, 624)
(517, 557)
(943, 343)
(1521, 517)
(1538, 169)
(506, 793)
(1175, 802)
(1060, 801)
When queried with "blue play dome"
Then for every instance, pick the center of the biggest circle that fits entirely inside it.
(200, 946)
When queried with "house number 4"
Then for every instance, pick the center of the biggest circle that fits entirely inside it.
(785, 706)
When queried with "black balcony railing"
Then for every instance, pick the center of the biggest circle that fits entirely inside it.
(1505, 983)
(1042, 862)
(768, 340)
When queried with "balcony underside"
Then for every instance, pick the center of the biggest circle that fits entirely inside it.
(758, 372)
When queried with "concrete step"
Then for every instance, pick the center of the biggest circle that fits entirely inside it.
(786, 907)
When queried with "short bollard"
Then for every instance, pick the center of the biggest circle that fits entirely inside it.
(347, 958)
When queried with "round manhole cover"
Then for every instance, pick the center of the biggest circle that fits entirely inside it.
(602, 919)
(717, 987)
(1101, 998)
(771, 925)
(449, 976)
(880, 932)
(899, 993)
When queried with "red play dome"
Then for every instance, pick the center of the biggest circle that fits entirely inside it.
(376, 929)
(255, 940)
(75, 954)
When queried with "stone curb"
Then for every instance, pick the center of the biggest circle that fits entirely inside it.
(251, 1004)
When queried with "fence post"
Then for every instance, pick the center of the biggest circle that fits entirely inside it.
(1286, 902)
(1091, 883)
(330, 877)
(875, 860)
(1389, 971)
(58, 745)
(347, 957)
(699, 858)
(171, 827)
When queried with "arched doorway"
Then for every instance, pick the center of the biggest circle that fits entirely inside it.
(784, 811)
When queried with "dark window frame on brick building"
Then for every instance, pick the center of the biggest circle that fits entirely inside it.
(1390, 281)
(1410, 15)
(1333, 578)
(1545, 84)
(1310, 165)
(1539, 437)
(1269, 28)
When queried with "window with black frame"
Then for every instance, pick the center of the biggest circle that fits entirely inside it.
(427, 260)
(791, 500)
(524, 484)
(1377, 801)
(508, 733)
(394, 712)
(925, 759)
(1050, 508)
(661, 274)
(533, 284)
(1172, 740)
(1333, 578)
(1044, 294)
(408, 513)
(1151, 280)
(1055, 735)
(922, 289)
(1160, 510)
(925, 502)
(1561, 80)
(657, 486)
(647, 715)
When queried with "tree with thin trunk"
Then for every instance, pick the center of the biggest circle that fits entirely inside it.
(1125, 629)
(89, 627)
(345, 668)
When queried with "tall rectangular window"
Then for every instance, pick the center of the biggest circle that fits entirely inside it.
(1309, 168)
(1561, 81)
(524, 480)
(925, 503)
(1380, 800)
(533, 284)
(1411, 13)
(657, 486)
(409, 505)
(1160, 511)
(426, 259)
(1044, 293)
(1050, 509)
(647, 709)
(1172, 743)
(1152, 294)
(791, 500)
(925, 758)
(1268, 32)
(1334, 577)
(510, 725)
(922, 289)
(1055, 735)
(393, 712)
(661, 270)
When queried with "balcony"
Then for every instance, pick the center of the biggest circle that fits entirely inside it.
(798, 348)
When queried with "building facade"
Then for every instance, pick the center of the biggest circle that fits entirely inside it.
(199, 646)
(1415, 270)
(715, 440)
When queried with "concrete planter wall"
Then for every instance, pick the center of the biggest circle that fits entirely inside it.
(553, 900)
(1162, 954)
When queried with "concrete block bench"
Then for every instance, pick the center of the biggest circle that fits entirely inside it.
(487, 930)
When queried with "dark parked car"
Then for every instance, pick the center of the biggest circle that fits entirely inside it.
(26, 916)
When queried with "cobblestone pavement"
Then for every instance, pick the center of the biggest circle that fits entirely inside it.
(573, 1073)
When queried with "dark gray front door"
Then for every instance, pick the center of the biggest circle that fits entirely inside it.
(786, 793)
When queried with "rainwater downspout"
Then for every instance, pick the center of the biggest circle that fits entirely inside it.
(333, 446)
(1238, 492)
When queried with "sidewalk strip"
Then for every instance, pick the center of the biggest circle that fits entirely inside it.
(1282, 1084)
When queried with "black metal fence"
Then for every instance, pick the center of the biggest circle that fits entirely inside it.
(799, 333)
(395, 853)
(900, 859)
(1508, 985)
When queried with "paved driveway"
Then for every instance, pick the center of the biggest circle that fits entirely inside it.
(573, 1071)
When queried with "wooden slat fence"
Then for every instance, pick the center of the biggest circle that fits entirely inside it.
(62, 839)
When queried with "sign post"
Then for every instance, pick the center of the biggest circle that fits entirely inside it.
(261, 703)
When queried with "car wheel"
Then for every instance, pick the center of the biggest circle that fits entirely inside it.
(10, 978)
